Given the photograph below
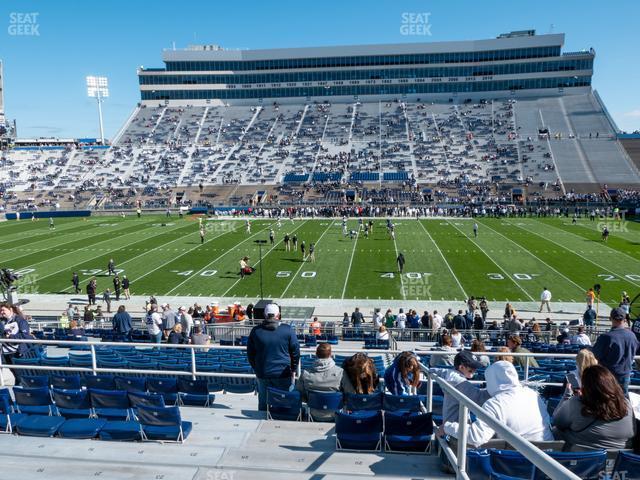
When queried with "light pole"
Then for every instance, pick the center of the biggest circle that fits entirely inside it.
(98, 88)
(260, 244)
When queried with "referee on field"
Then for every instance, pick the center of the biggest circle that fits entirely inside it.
(400, 262)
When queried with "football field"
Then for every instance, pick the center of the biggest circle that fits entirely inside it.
(511, 259)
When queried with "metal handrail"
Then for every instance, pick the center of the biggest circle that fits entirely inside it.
(536, 456)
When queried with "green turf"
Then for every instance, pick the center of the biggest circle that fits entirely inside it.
(511, 259)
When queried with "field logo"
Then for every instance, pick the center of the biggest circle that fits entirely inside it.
(24, 24)
(415, 24)
(28, 283)
(416, 285)
(616, 224)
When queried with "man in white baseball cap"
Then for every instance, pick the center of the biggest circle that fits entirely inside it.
(274, 353)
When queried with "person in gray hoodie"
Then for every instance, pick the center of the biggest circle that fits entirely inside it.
(324, 376)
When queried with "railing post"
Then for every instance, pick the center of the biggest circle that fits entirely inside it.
(463, 413)
(193, 363)
(429, 393)
(1, 369)
(94, 363)
(526, 369)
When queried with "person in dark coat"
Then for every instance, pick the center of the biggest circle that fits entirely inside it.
(116, 286)
(122, 322)
(75, 281)
(91, 291)
(13, 325)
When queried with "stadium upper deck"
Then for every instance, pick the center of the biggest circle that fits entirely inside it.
(519, 63)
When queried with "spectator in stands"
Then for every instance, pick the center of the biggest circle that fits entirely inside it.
(382, 333)
(598, 417)
(509, 311)
(122, 323)
(199, 338)
(548, 325)
(106, 298)
(356, 319)
(91, 291)
(176, 336)
(584, 359)
(125, 287)
(581, 338)
(456, 339)
(323, 376)
(444, 360)
(425, 320)
(589, 316)
(436, 321)
(274, 353)
(315, 328)
(564, 337)
(13, 325)
(74, 330)
(346, 321)
(545, 299)
(360, 375)
(153, 320)
(88, 317)
(494, 331)
(413, 319)
(504, 358)
(168, 319)
(484, 308)
(401, 320)
(377, 318)
(514, 343)
(186, 320)
(513, 324)
(616, 349)
(509, 399)
(459, 322)
(403, 376)
(478, 347)
(389, 319)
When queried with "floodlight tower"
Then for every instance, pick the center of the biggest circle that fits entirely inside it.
(98, 88)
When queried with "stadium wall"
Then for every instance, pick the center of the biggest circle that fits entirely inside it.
(56, 214)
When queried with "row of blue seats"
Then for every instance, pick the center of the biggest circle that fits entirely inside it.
(82, 414)
(486, 464)
(180, 391)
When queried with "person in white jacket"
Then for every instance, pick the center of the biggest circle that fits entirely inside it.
(519, 408)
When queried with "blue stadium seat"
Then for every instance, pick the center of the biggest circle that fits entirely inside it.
(8, 419)
(145, 398)
(34, 381)
(167, 387)
(629, 463)
(66, 382)
(283, 405)
(163, 424)
(410, 403)
(478, 464)
(120, 431)
(407, 432)
(72, 403)
(131, 384)
(587, 465)
(39, 425)
(194, 392)
(359, 431)
(81, 428)
(36, 401)
(355, 401)
(239, 385)
(510, 463)
(110, 404)
(325, 401)
(102, 382)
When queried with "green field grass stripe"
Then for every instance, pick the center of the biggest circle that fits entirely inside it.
(621, 277)
(26, 231)
(455, 277)
(346, 278)
(507, 275)
(258, 263)
(302, 264)
(580, 288)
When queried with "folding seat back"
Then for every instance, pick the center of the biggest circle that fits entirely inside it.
(406, 403)
(587, 465)
(101, 382)
(284, 405)
(67, 382)
(359, 430)
(34, 381)
(8, 418)
(131, 384)
(110, 404)
(72, 403)
(147, 399)
(166, 386)
(325, 402)
(33, 400)
(626, 462)
(356, 401)
(162, 424)
(510, 463)
(407, 431)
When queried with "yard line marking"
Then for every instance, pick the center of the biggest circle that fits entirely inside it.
(205, 267)
(346, 280)
(302, 264)
(445, 260)
(587, 259)
(535, 256)
(263, 257)
(494, 262)
(402, 291)
(44, 232)
(88, 249)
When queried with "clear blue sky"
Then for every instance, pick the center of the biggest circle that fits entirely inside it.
(45, 74)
